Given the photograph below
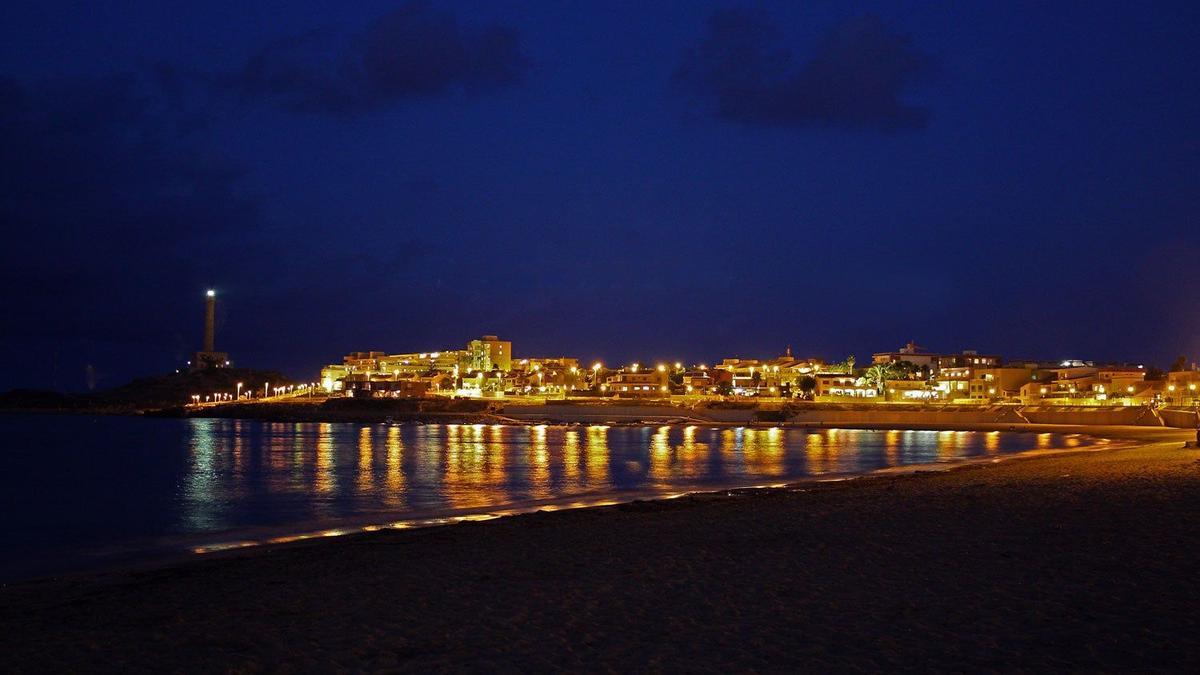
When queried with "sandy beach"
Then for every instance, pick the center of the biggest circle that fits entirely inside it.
(1061, 562)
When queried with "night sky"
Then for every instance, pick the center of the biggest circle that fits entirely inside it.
(606, 180)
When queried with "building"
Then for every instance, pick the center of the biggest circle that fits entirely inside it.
(769, 377)
(485, 354)
(968, 359)
(911, 391)
(489, 352)
(1000, 383)
(910, 352)
(842, 387)
(393, 387)
(1073, 382)
(1182, 388)
(639, 382)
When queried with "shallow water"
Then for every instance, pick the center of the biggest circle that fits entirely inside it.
(83, 492)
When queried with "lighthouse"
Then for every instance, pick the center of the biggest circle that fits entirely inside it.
(209, 357)
(210, 320)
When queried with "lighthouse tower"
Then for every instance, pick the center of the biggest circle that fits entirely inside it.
(209, 357)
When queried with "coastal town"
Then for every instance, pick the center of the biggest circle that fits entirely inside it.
(488, 367)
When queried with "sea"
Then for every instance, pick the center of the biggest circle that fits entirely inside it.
(84, 493)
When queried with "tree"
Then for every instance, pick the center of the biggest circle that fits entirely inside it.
(724, 388)
(907, 370)
(877, 376)
(807, 384)
(1179, 364)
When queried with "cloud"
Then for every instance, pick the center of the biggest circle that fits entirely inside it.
(412, 52)
(855, 78)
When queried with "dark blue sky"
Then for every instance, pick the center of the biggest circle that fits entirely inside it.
(609, 180)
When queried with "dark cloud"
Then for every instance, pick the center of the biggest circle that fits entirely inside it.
(415, 51)
(855, 77)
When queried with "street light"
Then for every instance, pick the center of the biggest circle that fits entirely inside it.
(239, 391)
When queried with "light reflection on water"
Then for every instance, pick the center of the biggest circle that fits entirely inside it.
(243, 474)
(75, 489)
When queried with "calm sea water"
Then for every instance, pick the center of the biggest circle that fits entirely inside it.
(81, 492)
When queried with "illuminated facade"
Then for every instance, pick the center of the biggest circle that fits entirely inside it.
(768, 377)
(487, 368)
(489, 353)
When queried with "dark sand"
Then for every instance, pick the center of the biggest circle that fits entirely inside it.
(1067, 562)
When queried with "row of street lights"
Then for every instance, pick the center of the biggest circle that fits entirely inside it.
(268, 392)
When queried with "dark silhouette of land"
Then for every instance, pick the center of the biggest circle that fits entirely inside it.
(142, 394)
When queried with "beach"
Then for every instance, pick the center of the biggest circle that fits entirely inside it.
(1082, 560)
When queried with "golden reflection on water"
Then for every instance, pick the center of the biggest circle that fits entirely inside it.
(661, 459)
(991, 442)
(763, 451)
(823, 450)
(947, 445)
(891, 447)
(571, 456)
(483, 466)
(539, 463)
(323, 478)
(596, 460)
(366, 460)
(394, 457)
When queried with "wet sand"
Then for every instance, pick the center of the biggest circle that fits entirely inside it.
(1072, 561)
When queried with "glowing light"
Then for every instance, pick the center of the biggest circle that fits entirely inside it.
(211, 293)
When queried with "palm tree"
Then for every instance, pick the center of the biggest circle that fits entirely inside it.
(877, 376)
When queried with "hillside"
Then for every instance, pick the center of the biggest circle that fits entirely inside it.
(145, 393)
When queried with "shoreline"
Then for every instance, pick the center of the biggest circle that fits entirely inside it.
(182, 548)
(628, 412)
(1026, 505)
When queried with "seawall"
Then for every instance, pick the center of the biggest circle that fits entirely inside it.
(825, 414)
